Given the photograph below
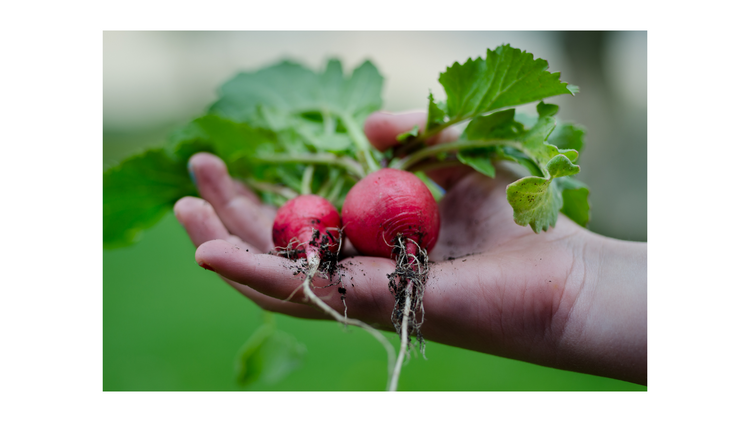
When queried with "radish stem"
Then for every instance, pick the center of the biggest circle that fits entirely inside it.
(360, 140)
(307, 180)
(283, 191)
(407, 162)
(353, 167)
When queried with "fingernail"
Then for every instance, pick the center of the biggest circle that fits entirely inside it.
(206, 266)
(177, 217)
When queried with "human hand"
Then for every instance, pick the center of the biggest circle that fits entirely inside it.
(565, 298)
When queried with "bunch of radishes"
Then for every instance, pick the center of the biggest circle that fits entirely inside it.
(389, 213)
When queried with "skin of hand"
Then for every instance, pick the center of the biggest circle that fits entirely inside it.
(566, 298)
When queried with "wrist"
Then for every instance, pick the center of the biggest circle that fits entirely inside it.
(606, 331)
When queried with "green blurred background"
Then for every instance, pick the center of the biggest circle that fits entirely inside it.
(170, 325)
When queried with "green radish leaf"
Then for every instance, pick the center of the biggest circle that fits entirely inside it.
(223, 137)
(249, 362)
(189, 147)
(332, 142)
(362, 92)
(547, 157)
(234, 142)
(269, 118)
(534, 141)
(546, 110)
(507, 77)
(435, 113)
(526, 119)
(499, 125)
(292, 90)
(564, 136)
(268, 356)
(568, 136)
(512, 154)
(479, 160)
(570, 153)
(139, 191)
(535, 202)
(560, 166)
(403, 137)
(575, 200)
(286, 87)
(282, 354)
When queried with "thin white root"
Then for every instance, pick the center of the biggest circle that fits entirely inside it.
(404, 341)
(313, 264)
(294, 292)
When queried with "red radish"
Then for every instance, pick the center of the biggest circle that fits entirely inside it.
(306, 224)
(386, 204)
(391, 213)
(309, 226)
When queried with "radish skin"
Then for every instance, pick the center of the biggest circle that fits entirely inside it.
(298, 220)
(385, 204)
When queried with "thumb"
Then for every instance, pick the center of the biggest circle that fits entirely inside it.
(382, 127)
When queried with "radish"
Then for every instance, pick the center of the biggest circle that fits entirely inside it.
(390, 213)
(309, 227)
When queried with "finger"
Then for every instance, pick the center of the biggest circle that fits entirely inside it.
(202, 224)
(365, 279)
(240, 211)
(382, 128)
(277, 305)
(348, 250)
(241, 189)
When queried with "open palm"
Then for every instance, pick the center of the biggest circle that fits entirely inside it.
(493, 286)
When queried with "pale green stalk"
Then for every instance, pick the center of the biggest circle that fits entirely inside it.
(307, 177)
(325, 158)
(360, 140)
(407, 162)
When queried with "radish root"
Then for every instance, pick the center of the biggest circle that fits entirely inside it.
(407, 285)
(326, 268)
